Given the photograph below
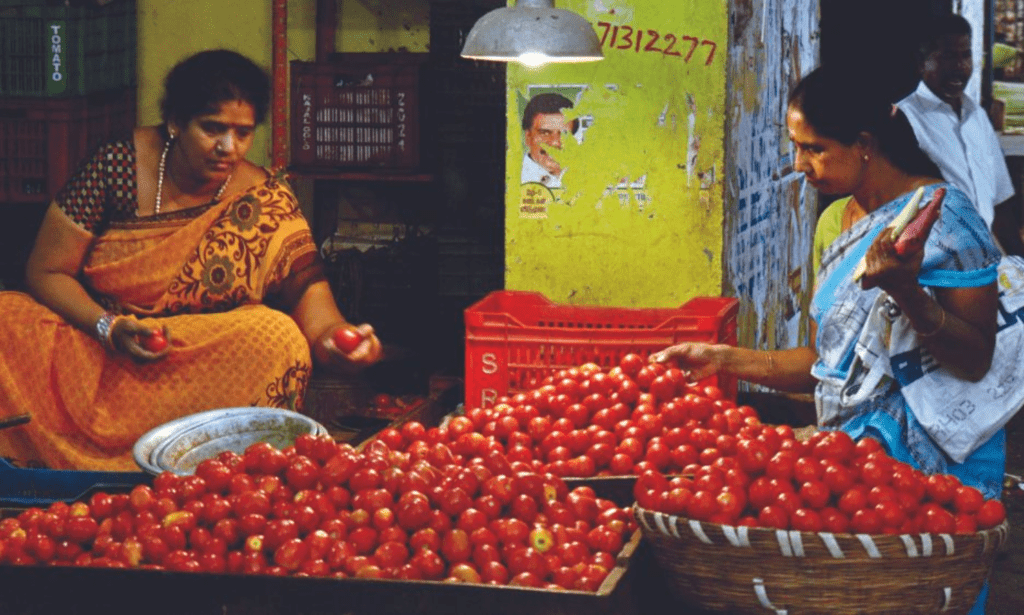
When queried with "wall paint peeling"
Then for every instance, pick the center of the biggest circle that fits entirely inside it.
(769, 216)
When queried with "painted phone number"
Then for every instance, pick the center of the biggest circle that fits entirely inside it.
(639, 39)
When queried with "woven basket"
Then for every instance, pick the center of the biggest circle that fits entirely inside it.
(762, 570)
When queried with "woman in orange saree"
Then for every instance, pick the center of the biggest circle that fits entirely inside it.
(227, 269)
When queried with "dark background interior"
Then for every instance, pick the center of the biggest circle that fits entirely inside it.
(878, 36)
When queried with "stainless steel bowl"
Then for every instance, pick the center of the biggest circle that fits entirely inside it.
(179, 446)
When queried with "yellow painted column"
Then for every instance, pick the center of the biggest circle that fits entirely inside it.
(635, 216)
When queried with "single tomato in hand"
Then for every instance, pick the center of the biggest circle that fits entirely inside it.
(154, 342)
(347, 339)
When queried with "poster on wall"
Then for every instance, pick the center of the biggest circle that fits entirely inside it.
(616, 162)
(548, 118)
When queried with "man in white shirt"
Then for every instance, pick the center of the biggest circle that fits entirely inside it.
(955, 131)
(543, 125)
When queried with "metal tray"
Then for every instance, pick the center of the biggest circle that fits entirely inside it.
(179, 446)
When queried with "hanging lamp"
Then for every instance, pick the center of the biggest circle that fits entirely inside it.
(533, 32)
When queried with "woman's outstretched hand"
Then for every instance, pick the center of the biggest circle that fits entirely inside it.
(697, 359)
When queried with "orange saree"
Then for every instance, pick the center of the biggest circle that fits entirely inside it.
(205, 274)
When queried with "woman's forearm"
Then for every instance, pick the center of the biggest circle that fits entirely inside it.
(785, 370)
(53, 265)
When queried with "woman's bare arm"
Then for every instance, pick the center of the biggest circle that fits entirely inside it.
(53, 268)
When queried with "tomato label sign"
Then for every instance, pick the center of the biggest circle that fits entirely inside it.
(56, 83)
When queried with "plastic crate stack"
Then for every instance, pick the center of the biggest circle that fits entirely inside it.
(67, 84)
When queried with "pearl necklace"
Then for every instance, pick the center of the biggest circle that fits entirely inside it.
(163, 171)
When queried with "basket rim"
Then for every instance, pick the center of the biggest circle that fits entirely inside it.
(666, 526)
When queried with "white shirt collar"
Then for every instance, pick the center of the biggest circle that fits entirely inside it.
(967, 104)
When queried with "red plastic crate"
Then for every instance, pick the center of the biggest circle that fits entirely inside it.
(43, 140)
(514, 339)
(356, 111)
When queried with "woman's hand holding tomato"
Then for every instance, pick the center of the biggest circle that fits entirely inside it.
(348, 348)
(697, 359)
(143, 343)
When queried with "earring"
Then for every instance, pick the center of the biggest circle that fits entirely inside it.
(865, 157)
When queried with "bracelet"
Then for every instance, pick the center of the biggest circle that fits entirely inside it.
(105, 328)
(771, 362)
(942, 323)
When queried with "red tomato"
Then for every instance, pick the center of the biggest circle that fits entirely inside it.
(730, 504)
(891, 514)
(154, 342)
(866, 446)
(216, 473)
(838, 477)
(270, 462)
(456, 546)
(815, 494)
(967, 499)
(392, 437)
(276, 532)
(833, 520)
(773, 515)
(752, 455)
(789, 500)
(391, 554)
(836, 445)
(865, 521)
(703, 505)
(853, 500)
(631, 364)
(910, 482)
(938, 520)
(990, 514)
(806, 520)
(761, 492)
(807, 468)
(291, 553)
(663, 388)
(882, 493)
(781, 465)
(965, 524)
(875, 472)
(364, 539)
(347, 339)
(941, 487)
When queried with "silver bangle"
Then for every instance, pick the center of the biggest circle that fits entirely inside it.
(104, 328)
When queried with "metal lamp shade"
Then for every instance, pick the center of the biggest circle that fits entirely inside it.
(533, 32)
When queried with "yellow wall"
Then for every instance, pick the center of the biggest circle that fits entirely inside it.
(638, 221)
(168, 31)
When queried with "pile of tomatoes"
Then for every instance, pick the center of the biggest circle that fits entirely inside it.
(699, 455)
(320, 508)
(827, 483)
(587, 421)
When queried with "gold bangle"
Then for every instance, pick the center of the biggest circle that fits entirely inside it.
(770, 360)
(942, 323)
